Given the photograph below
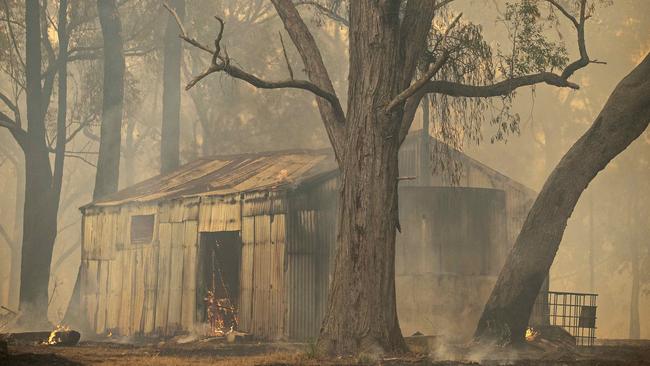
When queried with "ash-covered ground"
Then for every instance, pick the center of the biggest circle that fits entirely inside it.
(219, 352)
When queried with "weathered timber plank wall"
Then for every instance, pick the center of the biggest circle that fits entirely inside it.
(140, 288)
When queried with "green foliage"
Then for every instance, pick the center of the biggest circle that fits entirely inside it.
(531, 51)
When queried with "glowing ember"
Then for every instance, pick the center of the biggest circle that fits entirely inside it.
(222, 315)
(55, 335)
(531, 334)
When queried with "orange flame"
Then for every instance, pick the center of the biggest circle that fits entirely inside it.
(531, 334)
(54, 335)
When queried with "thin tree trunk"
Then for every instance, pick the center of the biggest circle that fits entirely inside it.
(39, 233)
(635, 259)
(129, 154)
(592, 246)
(17, 235)
(39, 221)
(61, 133)
(170, 132)
(425, 153)
(623, 118)
(635, 323)
(108, 161)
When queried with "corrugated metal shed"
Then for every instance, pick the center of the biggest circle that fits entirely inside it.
(283, 205)
(223, 175)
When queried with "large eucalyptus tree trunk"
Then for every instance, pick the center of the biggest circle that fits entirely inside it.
(623, 118)
(362, 314)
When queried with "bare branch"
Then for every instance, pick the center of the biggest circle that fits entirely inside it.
(431, 72)
(81, 158)
(12, 36)
(8, 102)
(183, 34)
(82, 125)
(7, 122)
(414, 30)
(326, 11)
(18, 133)
(564, 11)
(418, 84)
(221, 63)
(286, 58)
(501, 88)
(442, 3)
(584, 58)
(331, 113)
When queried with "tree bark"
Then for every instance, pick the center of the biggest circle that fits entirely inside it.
(623, 118)
(171, 105)
(361, 315)
(39, 220)
(108, 161)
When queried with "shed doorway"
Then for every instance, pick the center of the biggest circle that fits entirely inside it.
(218, 280)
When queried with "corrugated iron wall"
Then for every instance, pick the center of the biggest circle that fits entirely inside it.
(262, 290)
(311, 224)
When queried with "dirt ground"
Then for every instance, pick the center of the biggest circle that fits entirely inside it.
(253, 353)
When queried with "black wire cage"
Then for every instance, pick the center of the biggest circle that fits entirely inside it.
(575, 312)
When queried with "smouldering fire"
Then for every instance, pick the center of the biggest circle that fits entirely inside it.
(222, 315)
(55, 335)
(531, 334)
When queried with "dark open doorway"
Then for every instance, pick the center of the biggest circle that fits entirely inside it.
(218, 278)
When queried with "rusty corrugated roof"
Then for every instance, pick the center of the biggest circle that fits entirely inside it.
(222, 175)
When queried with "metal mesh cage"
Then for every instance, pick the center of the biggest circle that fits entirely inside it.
(575, 312)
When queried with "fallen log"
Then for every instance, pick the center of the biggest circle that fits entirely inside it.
(54, 338)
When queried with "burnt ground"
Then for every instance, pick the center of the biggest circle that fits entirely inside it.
(253, 353)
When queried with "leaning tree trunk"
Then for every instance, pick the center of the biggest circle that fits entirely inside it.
(170, 131)
(624, 117)
(361, 316)
(108, 160)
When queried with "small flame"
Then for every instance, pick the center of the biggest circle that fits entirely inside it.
(54, 335)
(222, 315)
(531, 334)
